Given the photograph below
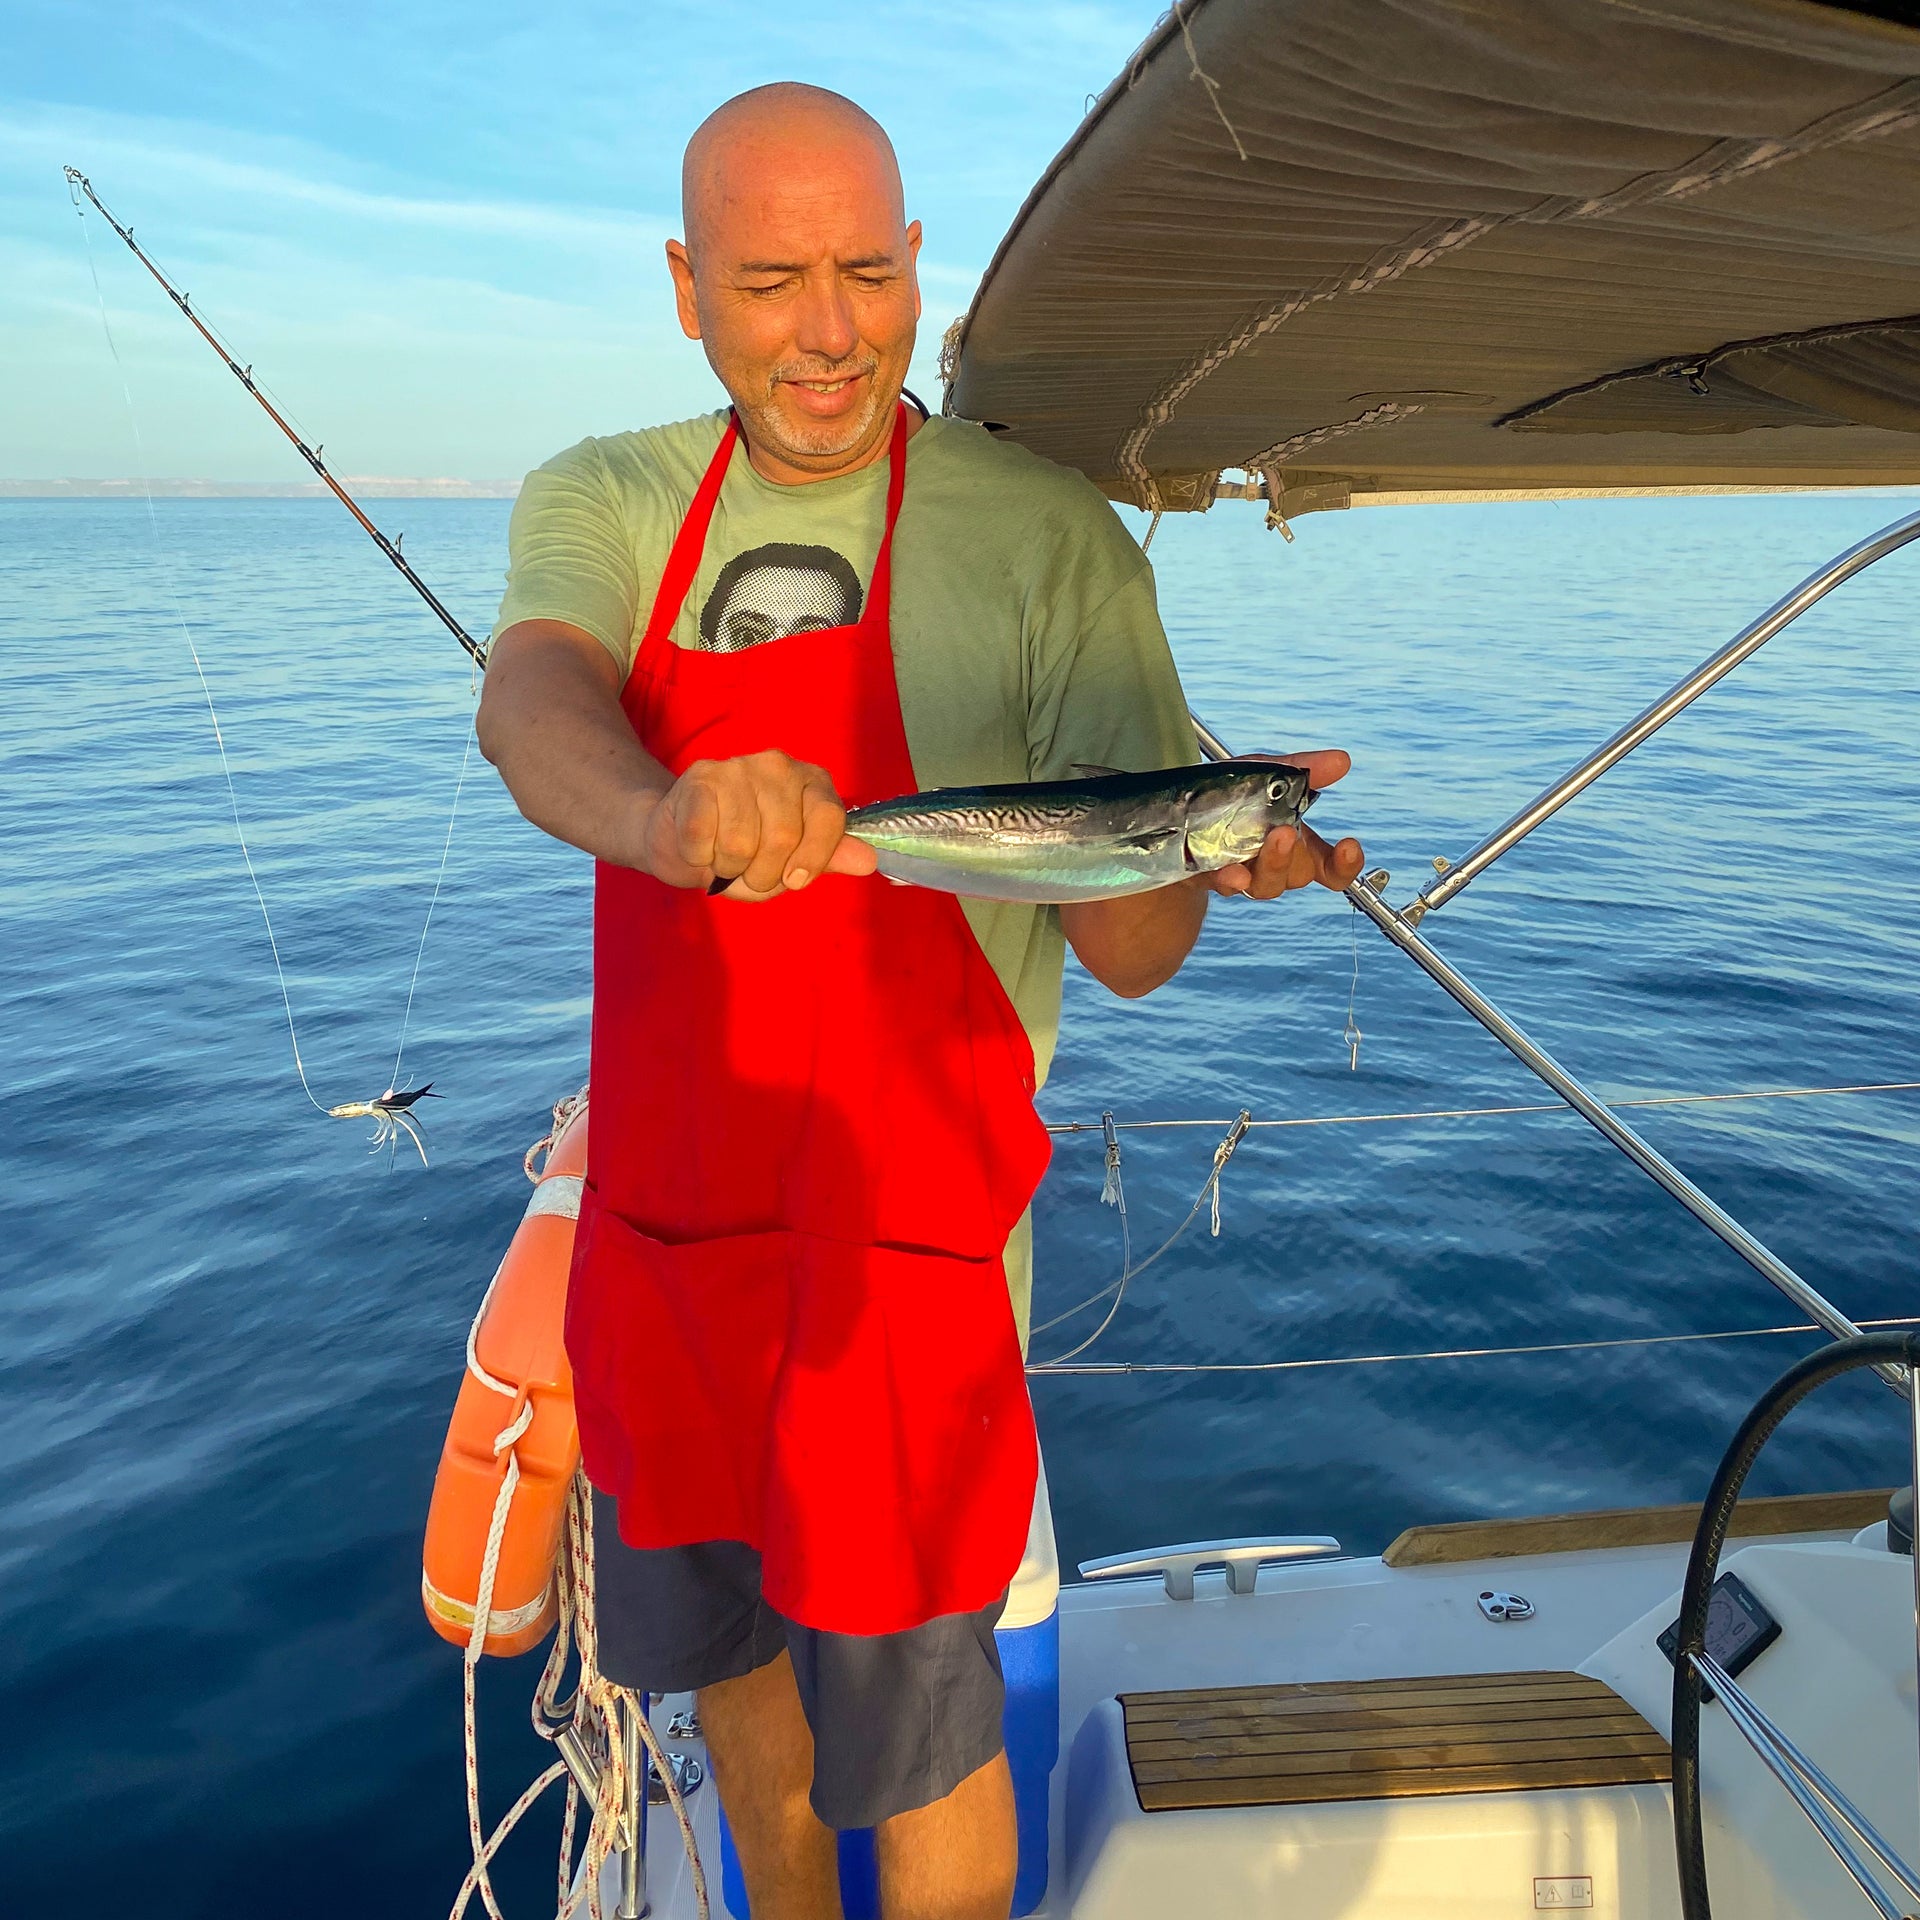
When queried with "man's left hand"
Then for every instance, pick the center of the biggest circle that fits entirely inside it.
(1295, 856)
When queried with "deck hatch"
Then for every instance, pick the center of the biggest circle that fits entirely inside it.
(1385, 1739)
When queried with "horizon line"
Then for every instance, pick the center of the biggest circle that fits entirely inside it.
(373, 486)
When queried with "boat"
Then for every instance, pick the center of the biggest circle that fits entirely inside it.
(1381, 253)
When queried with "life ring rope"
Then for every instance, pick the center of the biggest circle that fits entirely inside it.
(592, 1713)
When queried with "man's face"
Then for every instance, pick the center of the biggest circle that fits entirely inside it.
(799, 281)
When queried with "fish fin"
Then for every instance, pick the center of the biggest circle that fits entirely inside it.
(1093, 772)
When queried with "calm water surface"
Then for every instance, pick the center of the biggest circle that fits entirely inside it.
(229, 1339)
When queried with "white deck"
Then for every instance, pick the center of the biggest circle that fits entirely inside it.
(1841, 1680)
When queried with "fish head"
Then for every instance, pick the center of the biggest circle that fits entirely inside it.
(1235, 807)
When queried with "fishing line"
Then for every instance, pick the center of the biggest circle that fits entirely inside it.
(426, 926)
(1113, 1193)
(390, 1109)
(1353, 1036)
(77, 184)
(1118, 1287)
(1209, 1191)
(186, 633)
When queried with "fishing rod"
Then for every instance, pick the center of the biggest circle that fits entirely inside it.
(78, 183)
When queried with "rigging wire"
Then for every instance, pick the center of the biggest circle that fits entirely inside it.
(377, 1109)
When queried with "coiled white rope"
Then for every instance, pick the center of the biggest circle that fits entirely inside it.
(564, 1114)
(593, 1713)
(483, 1847)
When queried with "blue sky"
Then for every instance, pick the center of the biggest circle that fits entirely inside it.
(435, 229)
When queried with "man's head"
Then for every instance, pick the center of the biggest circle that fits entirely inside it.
(797, 274)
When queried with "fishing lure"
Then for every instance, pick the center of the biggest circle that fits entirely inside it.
(392, 1115)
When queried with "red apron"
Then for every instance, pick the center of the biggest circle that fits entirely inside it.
(813, 1130)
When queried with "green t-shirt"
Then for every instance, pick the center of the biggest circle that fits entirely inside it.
(1026, 640)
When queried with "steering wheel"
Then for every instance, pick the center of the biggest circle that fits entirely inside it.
(1703, 1564)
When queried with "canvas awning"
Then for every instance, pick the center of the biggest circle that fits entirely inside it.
(1434, 247)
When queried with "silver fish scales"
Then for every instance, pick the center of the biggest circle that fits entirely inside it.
(1099, 838)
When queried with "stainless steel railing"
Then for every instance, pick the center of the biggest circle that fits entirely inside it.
(1454, 876)
(1367, 895)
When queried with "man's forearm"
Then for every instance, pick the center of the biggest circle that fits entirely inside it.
(550, 721)
(1136, 943)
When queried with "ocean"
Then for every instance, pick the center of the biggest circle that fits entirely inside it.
(230, 1337)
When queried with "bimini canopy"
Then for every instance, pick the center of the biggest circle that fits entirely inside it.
(1401, 248)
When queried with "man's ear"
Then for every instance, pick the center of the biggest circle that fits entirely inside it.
(688, 308)
(914, 237)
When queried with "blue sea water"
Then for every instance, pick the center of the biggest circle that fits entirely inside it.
(229, 1339)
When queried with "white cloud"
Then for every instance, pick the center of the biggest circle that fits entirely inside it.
(174, 159)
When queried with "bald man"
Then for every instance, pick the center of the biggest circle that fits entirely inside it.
(801, 1277)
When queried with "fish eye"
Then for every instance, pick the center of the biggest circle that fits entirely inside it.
(1278, 789)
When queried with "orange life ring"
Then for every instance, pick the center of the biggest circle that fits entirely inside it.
(513, 1423)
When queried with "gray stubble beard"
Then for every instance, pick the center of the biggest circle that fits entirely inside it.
(773, 429)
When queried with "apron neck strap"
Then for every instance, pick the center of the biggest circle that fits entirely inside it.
(691, 541)
(880, 589)
(683, 562)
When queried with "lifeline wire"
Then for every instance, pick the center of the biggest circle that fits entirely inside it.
(213, 715)
(1210, 1189)
(1482, 1113)
(1443, 1353)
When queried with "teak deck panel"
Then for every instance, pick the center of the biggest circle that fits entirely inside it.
(1385, 1739)
(1630, 1527)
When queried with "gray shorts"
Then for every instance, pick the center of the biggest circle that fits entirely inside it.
(898, 1719)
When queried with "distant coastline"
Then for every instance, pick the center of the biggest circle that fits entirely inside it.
(371, 487)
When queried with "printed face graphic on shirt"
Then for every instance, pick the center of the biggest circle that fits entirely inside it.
(770, 592)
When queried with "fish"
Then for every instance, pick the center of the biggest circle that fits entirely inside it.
(1054, 842)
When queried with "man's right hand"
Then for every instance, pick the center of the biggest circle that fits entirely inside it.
(550, 720)
(766, 822)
